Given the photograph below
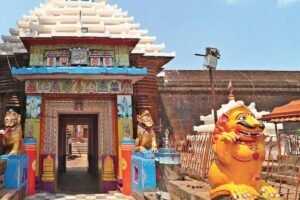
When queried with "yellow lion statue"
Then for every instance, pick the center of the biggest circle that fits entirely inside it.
(145, 134)
(238, 143)
(12, 140)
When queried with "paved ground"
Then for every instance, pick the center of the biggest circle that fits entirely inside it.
(78, 181)
(76, 161)
(112, 196)
(78, 184)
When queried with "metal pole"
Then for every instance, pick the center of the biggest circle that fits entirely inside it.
(213, 96)
(278, 139)
(205, 163)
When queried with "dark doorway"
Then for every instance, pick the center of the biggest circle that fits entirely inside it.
(78, 154)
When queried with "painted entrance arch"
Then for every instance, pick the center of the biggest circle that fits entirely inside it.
(107, 121)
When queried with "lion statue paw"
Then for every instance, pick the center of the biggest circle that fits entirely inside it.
(229, 137)
(237, 192)
(269, 193)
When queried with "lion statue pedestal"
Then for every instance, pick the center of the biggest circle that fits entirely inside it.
(143, 172)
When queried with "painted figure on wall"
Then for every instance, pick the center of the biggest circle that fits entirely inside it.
(115, 87)
(127, 87)
(43, 86)
(12, 139)
(240, 151)
(146, 138)
(33, 105)
(91, 87)
(124, 107)
(55, 86)
(30, 86)
(103, 87)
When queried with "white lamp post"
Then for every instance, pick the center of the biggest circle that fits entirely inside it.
(211, 60)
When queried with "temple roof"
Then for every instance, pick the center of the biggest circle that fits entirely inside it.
(82, 19)
(286, 113)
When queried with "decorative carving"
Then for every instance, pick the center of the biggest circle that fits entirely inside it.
(145, 134)
(115, 87)
(48, 172)
(109, 169)
(78, 86)
(13, 142)
(79, 56)
(78, 104)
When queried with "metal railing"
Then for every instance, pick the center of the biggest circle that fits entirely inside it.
(282, 171)
(196, 154)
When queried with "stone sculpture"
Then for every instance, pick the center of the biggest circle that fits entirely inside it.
(240, 151)
(145, 134)
(12, 139)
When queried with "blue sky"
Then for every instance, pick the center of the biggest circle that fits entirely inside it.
(250, 34)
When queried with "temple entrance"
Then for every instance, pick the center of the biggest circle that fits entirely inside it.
(78, 154)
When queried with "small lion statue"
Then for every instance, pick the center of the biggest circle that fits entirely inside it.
(12, 139)
(240, 151)
(145, 134)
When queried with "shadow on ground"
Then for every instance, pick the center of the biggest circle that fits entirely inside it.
(78, 181)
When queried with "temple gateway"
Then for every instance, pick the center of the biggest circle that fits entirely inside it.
(90, 71)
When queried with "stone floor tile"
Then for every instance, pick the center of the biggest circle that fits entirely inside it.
(70, 197)
(80, 196)
(100, 195)
(40, 195)
(90, 197)
(50, 198)
(30, 198)
(60, 195)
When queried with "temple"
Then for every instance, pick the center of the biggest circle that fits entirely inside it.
(89, 64)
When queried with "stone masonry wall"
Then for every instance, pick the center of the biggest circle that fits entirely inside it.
(185, 95)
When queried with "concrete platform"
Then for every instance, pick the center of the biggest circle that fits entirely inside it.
(188, 189)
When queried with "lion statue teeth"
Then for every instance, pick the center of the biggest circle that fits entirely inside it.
(12, 140)
(238, 143)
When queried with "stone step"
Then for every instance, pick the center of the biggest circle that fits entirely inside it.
(280, 177)
(8, 194)
(288, 191)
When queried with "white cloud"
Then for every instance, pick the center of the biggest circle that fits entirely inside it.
(284, 3)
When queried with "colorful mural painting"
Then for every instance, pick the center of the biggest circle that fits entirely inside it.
(104, 55)
(81, 76)
(104, 109)
(106, 131)
(125, 128)
(124, 107)
(77, 86)
(32, 121)
(33, 107)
